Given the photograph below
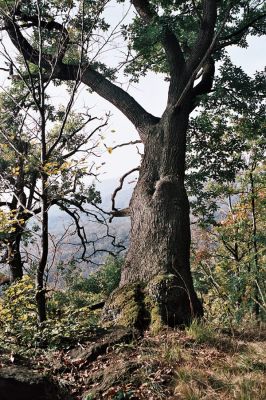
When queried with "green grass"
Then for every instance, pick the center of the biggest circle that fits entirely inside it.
(201, 332)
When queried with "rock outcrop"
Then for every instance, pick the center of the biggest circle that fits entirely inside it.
(21, 383)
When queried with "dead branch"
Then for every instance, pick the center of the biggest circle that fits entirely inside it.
(125, 144)
(115, 212)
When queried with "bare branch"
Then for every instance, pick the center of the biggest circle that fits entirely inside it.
(124, 144)
(121, 182)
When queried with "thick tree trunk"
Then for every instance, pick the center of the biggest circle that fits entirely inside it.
(159, 253)
(14, 258)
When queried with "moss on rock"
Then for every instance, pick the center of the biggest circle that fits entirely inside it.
(140, 306)
(125, 307)
(157, 298)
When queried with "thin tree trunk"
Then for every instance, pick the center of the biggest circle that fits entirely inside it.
(40, 289)
(40, 294)
(255, 246)
(13, 244)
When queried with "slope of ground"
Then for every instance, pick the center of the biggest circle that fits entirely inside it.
(198, 363)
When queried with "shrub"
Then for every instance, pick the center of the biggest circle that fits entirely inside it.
(69, 318)
(103, 281)
(18, 313)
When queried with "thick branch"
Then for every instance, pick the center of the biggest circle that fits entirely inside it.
(4, 280)
(109, 91)
(206, 55)
(205, 85)
(125, 212)
(205, 35)
(23, 46)
(50, 25)
(4, 203)
(95, 80)
(169, 41)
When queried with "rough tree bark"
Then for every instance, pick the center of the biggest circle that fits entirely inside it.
(160, 230)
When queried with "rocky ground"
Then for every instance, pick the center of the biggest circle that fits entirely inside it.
(198, 363)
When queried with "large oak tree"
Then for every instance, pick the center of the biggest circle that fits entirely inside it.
(183, 39)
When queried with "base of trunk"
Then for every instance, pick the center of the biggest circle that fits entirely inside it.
(160, 302)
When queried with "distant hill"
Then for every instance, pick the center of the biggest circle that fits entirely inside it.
(107, 187)
(57, 218)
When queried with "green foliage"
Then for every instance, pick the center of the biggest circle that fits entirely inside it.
(227, 120)
(69, 318)
(201, 332)
(228, 257)
(19, 324)
(123, 395)
(101, 282)
(18, 314)
(227, 180)
(21, 166)
(224, 138)
(183, 19)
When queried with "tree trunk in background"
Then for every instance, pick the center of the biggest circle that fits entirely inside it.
(159, 252)
(255, 246)
(14, 258)
(40, 287)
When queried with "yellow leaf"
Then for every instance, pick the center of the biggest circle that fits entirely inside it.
(109, 149)
(15, 171)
